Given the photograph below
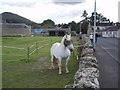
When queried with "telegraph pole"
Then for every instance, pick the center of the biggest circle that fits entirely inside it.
(94, 26)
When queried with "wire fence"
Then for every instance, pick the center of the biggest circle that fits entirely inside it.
(30, 50)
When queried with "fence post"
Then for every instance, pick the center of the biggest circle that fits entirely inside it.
(28, 56)
(51, 42)
(37, 48)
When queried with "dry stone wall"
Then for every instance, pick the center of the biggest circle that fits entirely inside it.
(88, 72)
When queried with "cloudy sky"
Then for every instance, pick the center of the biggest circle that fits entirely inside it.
(60, 11)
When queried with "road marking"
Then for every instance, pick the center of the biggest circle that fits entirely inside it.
(110, 54)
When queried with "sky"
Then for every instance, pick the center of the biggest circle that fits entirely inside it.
(60, 11)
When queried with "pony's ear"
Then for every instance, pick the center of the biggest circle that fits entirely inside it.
(70, 35)
(66, 35)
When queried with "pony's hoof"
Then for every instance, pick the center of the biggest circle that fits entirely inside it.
(67, 72)
(60, 73)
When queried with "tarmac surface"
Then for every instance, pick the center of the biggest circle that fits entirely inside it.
(106, 52)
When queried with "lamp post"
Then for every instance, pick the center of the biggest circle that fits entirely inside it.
(94, 26)
(80, 28)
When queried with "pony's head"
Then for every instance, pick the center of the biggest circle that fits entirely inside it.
(67, 42)
(71, 47)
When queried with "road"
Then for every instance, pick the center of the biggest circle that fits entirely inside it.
(106, 53)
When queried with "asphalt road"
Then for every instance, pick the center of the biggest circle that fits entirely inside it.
(106, 53)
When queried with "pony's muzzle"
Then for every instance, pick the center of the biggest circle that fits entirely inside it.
(71, 50)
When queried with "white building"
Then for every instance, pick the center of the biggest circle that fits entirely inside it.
(113, 31)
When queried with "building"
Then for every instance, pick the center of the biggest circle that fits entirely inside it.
(99, 29)
(56, 31)
(15, 29)
(113, 31)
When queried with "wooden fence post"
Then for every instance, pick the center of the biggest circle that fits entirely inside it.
(37, 48)
(28, 56)
(51, 42)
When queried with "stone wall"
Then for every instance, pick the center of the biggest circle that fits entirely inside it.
(88, 72)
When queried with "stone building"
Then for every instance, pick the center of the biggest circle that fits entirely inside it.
(15, 29)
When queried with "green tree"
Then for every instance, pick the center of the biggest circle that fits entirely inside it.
(84, 14)
(48, 24)
(65, 25)
(73, 26)
(84, 26)
(100, 19)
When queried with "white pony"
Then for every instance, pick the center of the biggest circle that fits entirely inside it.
(60, 51)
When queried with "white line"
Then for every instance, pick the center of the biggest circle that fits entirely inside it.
(13, 54)
(13, 47)
(110, 55)
(106, 48)
(32, 45)
(38, 42)
(43, 46)
(33, 51)
(40, 47)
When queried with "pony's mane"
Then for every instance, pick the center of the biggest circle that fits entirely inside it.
(67, 37)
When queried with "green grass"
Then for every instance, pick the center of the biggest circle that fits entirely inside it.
(17, 73)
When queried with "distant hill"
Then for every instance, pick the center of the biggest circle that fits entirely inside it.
(8, 17)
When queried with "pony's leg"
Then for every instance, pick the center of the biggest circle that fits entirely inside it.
(52, 65)
(60, 65)
(67, 71)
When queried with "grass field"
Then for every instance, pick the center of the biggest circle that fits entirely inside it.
(17, 73)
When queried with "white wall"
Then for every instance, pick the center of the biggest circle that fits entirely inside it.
(104, 34)
(118, 34)
(111, 34)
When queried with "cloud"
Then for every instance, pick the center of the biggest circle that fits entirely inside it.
(58, 13)
(69, 2)
(20, 4)
(40, 10)
(63, 12)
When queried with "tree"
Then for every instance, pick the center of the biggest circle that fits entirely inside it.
(117, 23)
(48, 24)
(59, 25)
(49, 21)
(84, 27)
(73, 26)
(84, 15)
(65, 25)
(100, 19)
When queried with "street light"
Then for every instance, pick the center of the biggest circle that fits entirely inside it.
(80, 28)
(94, 26)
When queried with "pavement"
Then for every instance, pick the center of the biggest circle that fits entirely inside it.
(106, 52)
